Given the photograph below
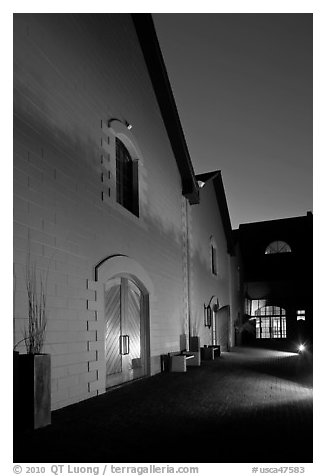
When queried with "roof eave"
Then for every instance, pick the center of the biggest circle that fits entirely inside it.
(223, 207)
(146, 33)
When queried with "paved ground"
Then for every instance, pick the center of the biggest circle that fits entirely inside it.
(250, 405)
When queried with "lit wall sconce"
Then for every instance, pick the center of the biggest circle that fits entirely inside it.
(124, 122)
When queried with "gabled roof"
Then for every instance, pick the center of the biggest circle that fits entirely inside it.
(155, 64)
(206, 176)
(216, 176)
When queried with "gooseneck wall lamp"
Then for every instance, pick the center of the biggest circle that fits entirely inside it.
(123, 121)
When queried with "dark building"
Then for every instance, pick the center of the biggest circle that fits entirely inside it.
(277, 281)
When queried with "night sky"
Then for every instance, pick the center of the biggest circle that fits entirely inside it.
(243, 87)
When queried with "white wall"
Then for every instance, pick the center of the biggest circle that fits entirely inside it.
(206, 222)
(71, 74)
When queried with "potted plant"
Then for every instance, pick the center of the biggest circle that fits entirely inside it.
(35, 366)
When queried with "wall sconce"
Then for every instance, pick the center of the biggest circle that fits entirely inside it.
(207, 316)
(124, 122)
(208, 311)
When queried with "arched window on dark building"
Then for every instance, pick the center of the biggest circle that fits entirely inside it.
(277, 247)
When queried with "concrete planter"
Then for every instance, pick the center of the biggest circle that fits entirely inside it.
(35, 390)
(194, 344)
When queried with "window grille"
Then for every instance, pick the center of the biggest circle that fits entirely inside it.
(277, 247)
(270, 323)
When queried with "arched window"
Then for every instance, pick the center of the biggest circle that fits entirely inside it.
(213, 255)
(277, 247)
(126, 178)
(270, 322)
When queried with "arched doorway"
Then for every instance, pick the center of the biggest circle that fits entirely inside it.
(125, 331)
(223, 319)
(126, 290)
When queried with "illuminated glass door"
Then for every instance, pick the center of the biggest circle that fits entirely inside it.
(125, 342)
(270, 322)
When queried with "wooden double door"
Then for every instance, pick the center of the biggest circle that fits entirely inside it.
(126, 339)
